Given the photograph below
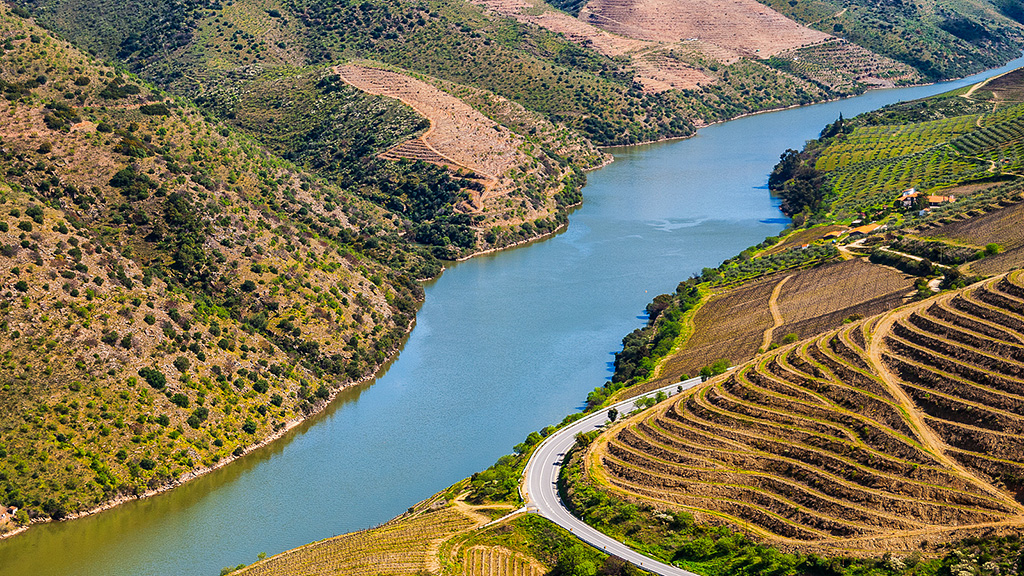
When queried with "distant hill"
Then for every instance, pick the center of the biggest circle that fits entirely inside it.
(565, 84)
(940, 38)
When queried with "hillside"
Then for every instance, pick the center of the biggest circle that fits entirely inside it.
(555, 85)
(939, 38)
(617, 81)
(894, 433)
(957, 145)
(172, 294)
(874, 445)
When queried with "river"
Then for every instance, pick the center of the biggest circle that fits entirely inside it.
(505, 344)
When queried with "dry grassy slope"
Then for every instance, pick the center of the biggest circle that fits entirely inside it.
(941, 38)
(881, 435)
(744, 26)
(654, 71)
(246, 283)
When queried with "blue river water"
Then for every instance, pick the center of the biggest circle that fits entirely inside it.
(505, 344)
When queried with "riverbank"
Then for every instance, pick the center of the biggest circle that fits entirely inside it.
(196, 473)
(467, 383)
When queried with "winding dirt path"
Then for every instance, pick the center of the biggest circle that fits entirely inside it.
(773, 307)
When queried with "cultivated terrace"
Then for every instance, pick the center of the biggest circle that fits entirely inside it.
(214, 215)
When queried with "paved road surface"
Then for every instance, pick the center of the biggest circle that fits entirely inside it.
(541, 493)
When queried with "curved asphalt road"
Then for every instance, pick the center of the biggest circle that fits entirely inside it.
(541, 492)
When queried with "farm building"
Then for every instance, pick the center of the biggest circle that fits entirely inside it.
(934, 201)
(865, 229)
(908, 197)
(7, 514)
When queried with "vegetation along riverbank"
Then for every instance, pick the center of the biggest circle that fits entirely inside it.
(216, 215)
(869, 426)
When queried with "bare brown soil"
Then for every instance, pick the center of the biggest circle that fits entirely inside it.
(1008, 260)
(464, 140)
(1006, 88)
(654, 70)
(734, 323)
(744, 26)
(821, 298)
(730, 325)
(459, 136)
(1001, 226)
(845, 442)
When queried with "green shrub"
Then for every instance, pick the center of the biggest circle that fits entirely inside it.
(181, 363)
(714, 369)
(153, 377)
(159, 109)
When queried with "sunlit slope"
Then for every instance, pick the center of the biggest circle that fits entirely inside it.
(902, 428)
(171, 294)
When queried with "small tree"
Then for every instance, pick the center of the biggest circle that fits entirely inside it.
(613, 414)
(714, 369)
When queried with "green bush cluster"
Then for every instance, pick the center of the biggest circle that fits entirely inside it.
(744, 267)
(922, 267)
(642, 348)
(937, 251)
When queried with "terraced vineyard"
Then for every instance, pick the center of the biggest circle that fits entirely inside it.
(820, 299)
(498, 561)
(934, 145)
(872, 143)
(734, 324)
(402, 547)
(874, 163)
(999, 140)
(839, 64)
(729, 325)
(1000, 226)
(882, 434)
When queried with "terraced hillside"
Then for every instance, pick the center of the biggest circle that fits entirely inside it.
(653, 69)
(880, 435)
(743, 26)
(442, 535)
(940, 38)
(736, 323)
(941, 146)
(407, 546)
(464, 140)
